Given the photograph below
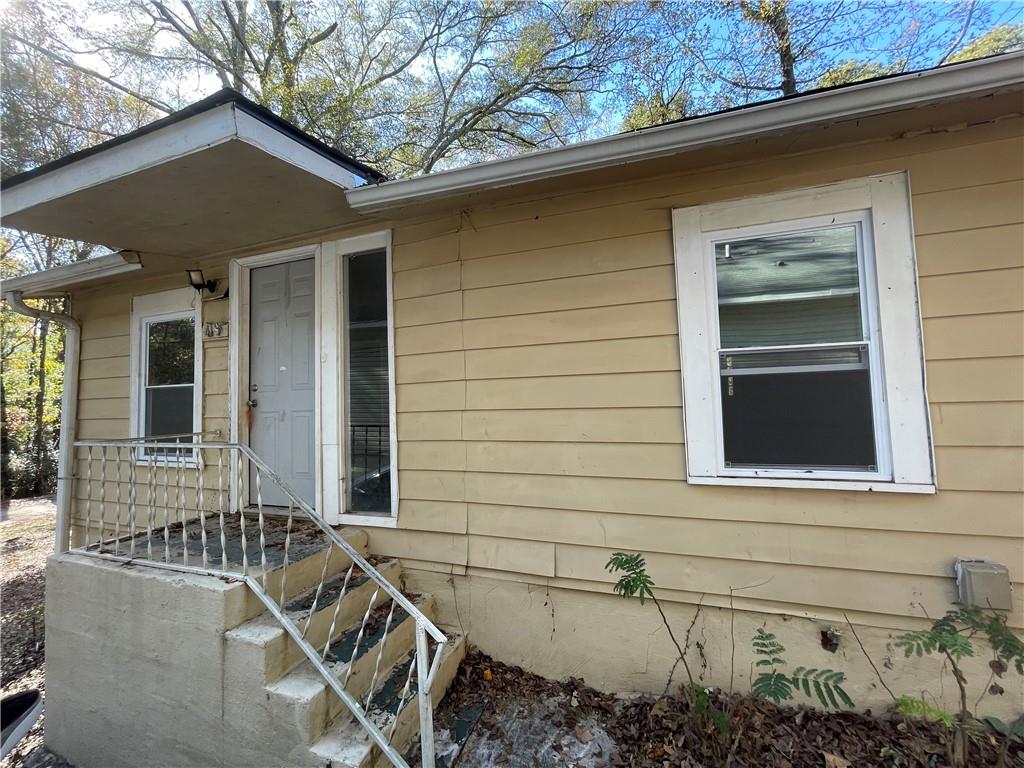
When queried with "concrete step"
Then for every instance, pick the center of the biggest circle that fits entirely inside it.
(347, 745)
(303, 698)
(307, 549)
(263, 645)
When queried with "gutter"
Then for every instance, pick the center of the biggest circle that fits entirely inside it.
(824, 106)
(68, 410)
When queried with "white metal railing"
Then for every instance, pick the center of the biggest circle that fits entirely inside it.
(181, 506)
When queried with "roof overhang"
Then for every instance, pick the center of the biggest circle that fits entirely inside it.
(222, 174)
(823, 107)
(60, 280)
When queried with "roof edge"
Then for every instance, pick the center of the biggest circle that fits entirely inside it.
(218, 99)
(58, 279)
(826, 105)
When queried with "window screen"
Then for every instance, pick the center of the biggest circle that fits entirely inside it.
(169, 377)
(794, 353)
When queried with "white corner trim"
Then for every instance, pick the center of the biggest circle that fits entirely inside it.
(910, 90)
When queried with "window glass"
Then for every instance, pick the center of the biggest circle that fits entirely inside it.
(799, 288)
(168, 410)
(171, 352)
(369, 454)
(807, 401)
(169, 377)
(794, 409)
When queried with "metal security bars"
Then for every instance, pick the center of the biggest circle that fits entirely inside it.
(370, 455)
(182, 506)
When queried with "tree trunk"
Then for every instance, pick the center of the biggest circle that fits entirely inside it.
(778, 20)
(238, 48)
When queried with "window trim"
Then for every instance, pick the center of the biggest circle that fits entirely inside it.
(335, 369)
(174, 304)
(903, 431)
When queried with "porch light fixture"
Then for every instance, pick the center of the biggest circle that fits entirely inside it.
(198, 281)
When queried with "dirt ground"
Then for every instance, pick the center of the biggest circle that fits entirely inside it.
(26, 540)
(499, 715)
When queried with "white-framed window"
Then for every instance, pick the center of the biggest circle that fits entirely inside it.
(166, 366)
(800, 340)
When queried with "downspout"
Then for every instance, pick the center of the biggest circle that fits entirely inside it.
(68, 410)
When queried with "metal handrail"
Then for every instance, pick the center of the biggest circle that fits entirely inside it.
(155, 438)
(426, 667)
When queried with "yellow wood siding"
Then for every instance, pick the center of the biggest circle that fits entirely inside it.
(104, 405)
(540, 419)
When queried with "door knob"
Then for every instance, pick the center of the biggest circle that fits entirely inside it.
(252, 403)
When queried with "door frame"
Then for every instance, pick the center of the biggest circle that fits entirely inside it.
(329, 347)
(240, 286)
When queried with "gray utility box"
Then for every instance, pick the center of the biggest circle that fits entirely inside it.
(982, 584)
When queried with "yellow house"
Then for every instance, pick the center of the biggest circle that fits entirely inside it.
(322, 429)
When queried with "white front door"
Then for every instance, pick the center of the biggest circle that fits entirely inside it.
(282, 377)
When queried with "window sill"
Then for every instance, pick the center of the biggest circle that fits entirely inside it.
(825, 485)
(370, 521)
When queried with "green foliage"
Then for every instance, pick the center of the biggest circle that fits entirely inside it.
(926, 642)
(823, 684)
(1013, 730)
(908, 705)
(634, 581)
(1001, 39)
(28, 436)
(711, 717)
(1007, 646)
(953, 634)
(769, 648)
(646, 112)
(853, 71)
(772, 685)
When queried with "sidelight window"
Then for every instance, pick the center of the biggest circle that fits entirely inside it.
(368, 404)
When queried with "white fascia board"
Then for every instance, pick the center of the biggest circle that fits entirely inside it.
(189, 136)
(198, 132)
(253, 131)
(59, 279)
(917, 89)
